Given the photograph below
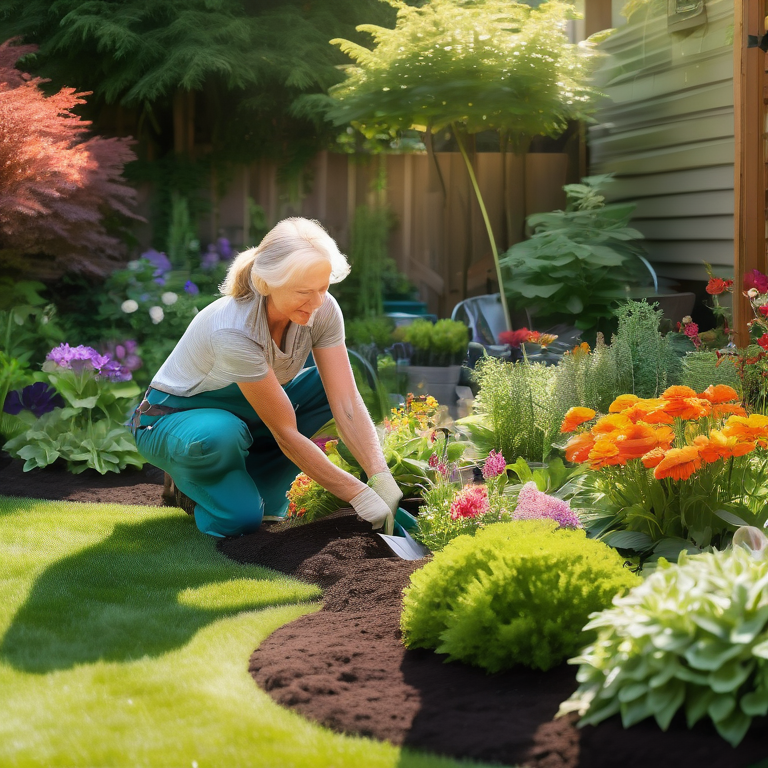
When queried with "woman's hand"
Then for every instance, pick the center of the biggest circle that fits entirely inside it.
(371, 507)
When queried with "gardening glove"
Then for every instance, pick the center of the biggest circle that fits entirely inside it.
(371, 507)
(384, 484)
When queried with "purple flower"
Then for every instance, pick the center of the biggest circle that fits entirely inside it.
(495, 465)
(532, 504)
(224, 248)
(38, 398)
(159, 260)
(80, 358)
(191, 288)
(160, 281)
(210, 259)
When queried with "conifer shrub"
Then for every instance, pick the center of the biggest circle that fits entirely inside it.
(515, 593)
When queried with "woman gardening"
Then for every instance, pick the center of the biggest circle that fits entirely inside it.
(230, 413)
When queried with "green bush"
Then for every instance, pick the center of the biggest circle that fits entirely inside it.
(693, 635)
(442, 343)
(515, 593)
(700, 369)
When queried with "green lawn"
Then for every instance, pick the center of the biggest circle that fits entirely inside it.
(124, 641)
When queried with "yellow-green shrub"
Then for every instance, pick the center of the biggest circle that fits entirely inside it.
(515, 593)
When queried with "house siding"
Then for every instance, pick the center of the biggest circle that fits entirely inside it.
(666, 132)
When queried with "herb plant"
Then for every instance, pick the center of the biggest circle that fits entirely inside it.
(439, 344)
(691, 637)
(515, 593)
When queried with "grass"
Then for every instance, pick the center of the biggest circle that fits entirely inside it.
(124, 641)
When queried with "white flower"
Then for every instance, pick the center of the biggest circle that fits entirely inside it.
(157, 314)
(687, 319)
(129, 305)
(134, 265)
(752, 292)
(168, 298)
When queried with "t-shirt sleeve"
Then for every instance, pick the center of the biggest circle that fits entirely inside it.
(238, 358)
(328, 327)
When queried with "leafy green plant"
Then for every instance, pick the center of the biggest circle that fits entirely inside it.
(701, 369)
(440, 344)
(515, 403)
(500, 598)
(578, 262)
(469, 66)
(89, 432)
(587, 378)
(642, 357)
(369, 330)
(692, 636)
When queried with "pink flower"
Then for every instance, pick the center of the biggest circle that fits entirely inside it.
(495, 465)
(757, 280)
(533, 504)
(434, 461)
(691, 329)
(470, 501)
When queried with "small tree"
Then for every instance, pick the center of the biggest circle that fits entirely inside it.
(473, 65)
(56, 184)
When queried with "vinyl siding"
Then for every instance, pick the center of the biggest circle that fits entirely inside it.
(666, 131)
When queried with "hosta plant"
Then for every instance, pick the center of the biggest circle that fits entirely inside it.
(676, 472)
(692, 637)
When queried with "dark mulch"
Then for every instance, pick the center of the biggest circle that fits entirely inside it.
(134, 486)
(346, 668)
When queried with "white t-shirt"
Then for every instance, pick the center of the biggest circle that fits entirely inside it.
(229, 341)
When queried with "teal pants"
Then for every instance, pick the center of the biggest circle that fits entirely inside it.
(221, 455)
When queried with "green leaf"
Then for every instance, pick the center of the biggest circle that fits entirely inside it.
(729, 517)
(574, 304)
(711, 654)
(754, 703)
(628, 540)
(721, 708)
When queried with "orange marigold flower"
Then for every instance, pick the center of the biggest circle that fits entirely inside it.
(719, 446)
(727, 409)
(575, 417)
(653, 458)
(678, 463)
(611, 423)
(605, 453)
(578, 447)
(635, 441)
(649, 411)
(719, 393)
(747, 428)
(622, 402)
(676, 392)
(687, 407)
(666, 436)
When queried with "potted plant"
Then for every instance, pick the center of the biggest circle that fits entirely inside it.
(437, 352)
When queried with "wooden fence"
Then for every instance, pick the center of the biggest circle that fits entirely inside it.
(439, 239)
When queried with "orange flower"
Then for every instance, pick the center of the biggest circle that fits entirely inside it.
(678, 463)
(605, 453)
(727, 409)
(578, 447)
(677, 392)
(747, 429)
(719, 446)
(612, 423)
(653, 458)
(719, 393)
(622, 402)
(687, 407)
(635, 441)
(649, 411)
(575, 417)
(665, 436)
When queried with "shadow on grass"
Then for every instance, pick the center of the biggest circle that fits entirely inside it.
(119, 600)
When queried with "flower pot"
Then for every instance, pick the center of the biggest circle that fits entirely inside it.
(437, 381)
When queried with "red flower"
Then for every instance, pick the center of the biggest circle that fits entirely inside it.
(717, 285)
(763, 341)
(518, 337)
(763, 310)
(757, 280)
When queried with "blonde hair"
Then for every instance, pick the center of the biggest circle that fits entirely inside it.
(286, 251)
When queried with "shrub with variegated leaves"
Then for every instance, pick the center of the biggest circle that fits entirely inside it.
(693, 636)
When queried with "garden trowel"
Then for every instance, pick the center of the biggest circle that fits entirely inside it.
(400, 541)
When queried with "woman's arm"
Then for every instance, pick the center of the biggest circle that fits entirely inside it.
(274, 408)
(353, 421)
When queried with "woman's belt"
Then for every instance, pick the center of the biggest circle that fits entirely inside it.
(145, 408)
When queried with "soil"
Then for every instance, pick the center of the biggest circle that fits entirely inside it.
(133, 486)
(345, 666)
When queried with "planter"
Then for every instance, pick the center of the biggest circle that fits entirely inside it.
(439, 382)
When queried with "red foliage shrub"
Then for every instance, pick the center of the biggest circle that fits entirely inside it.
(56, 182)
